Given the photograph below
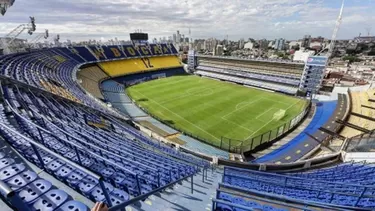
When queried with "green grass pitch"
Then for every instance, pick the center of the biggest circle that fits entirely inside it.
(211, 109)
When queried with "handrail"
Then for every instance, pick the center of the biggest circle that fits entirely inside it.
(71, 143)
(144, 137)
(144, 196)
(63, 131)
(161, 166)
(284, 185)
(34, 144)
(96, 176)
(12, 197)
(251, 197)
(241, 207)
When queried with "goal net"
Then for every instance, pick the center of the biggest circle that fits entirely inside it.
(279, 114)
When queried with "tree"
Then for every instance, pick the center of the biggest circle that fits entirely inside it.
(351, 58)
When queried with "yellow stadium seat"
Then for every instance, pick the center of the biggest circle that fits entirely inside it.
(129, 66)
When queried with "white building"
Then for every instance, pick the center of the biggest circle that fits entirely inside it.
(17, 45)
(302, 55)
(219, 50)
(249, 45)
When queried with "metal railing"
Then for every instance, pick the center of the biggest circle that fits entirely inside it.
(35, 146)
(321, 186)
(78, 148)
(278, 200)
(12, 197)
(239, 146)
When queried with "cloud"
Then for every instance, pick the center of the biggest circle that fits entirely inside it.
(93, 19)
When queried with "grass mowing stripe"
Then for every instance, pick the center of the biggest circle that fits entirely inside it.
(181, 117)
(198, 105)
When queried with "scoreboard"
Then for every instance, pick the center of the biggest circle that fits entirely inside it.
(313, 73)
(138, 37)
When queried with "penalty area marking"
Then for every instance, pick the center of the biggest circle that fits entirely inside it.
(244, 106)
(265, 112)
(180, 117)
(271, 120)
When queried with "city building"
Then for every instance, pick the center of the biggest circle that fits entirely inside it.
(219, 50)
(174, 38)
(302, 55)
(178, 37)
(279, 44)
(249, 45)
(306, 41)
(294, 44)
(241, 43)
(263, 44)
(365, 39)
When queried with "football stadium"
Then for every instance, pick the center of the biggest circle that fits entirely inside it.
(131, 127)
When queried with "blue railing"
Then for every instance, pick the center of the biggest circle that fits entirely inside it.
(100, 179)
(35, 145)
(320, 186)
(276, 199)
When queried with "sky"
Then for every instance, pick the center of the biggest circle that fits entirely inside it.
(106, 19)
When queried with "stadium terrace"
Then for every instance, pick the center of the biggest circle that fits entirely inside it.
(133, 127)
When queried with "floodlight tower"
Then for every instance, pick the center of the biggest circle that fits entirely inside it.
(4, 5)
(44, 35)
(335, 31)
(11, 36)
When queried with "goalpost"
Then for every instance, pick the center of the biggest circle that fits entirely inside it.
(279, 114)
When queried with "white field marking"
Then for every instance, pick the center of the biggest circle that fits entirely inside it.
(249, 103)
(181, 117)
(190, 94)
(243, 103)
(210, 104)
(166, 83)
(271, 120)
(277, 101)
(265, 112)
(237, 124)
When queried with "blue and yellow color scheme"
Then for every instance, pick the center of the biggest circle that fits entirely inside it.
(130, 66)
(93, 53)
(59, 58)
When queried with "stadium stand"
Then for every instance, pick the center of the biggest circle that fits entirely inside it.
(359, 99)
(250, 82)
(33, 192)
(116, 68)
(45, 116)
(268, 75)
(266, 65)
(91, 78)
(319, 188)
(252, 69)
(130, 163)
(123, 166)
